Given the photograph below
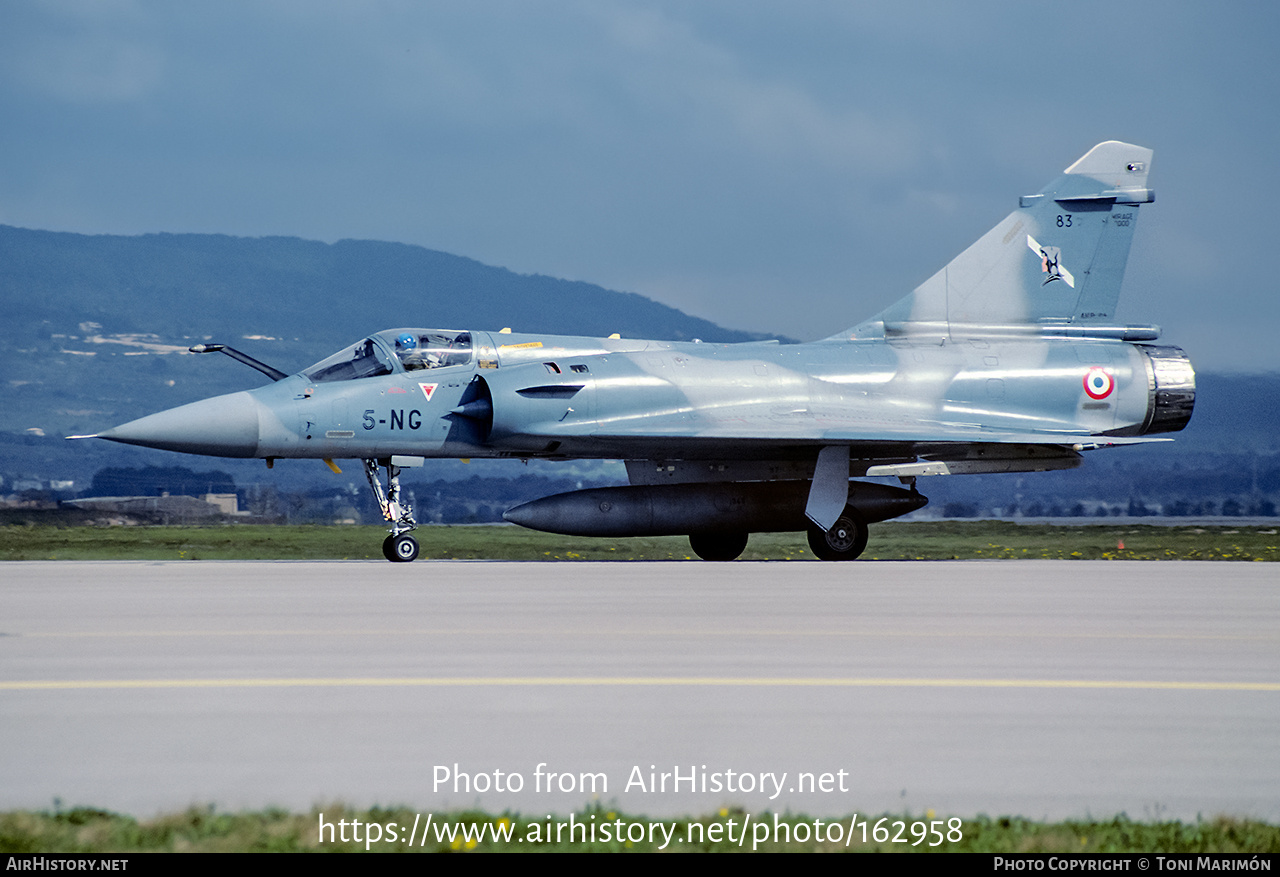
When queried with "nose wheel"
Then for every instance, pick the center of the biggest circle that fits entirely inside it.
(399, 547)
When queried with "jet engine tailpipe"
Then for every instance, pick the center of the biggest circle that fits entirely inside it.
(1172, 388)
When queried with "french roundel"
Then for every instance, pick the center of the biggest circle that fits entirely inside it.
(1098, 383)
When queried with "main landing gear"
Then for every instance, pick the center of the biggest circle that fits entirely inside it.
(844, 541)
(399, 547)
(718, 546)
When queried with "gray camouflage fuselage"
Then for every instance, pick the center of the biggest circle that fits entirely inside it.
(693, 401)
(1009, 359)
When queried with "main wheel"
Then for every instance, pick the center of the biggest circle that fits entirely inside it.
(845, 541)
(400, 549)
(718, 546)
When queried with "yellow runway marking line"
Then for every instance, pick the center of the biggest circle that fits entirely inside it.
(631, 681)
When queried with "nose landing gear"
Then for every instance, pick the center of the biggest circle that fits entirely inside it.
(399, 547)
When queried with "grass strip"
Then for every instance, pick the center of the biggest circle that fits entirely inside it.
(87, 830)
(928, 540)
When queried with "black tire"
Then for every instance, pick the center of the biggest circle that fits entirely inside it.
(845, 541)
(718, 546)
(400, 549)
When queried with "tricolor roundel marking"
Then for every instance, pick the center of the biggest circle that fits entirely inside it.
(1098, 383)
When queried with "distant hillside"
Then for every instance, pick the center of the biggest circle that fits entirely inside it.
(95, 326)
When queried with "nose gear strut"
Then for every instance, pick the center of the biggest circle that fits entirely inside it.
(399, 547)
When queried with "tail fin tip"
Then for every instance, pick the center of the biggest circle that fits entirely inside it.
(1118, 164)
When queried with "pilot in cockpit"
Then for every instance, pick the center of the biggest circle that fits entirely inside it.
(413, 355)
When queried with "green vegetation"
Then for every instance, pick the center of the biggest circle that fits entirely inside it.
(935, 540)
(204, 830)
(997, 540)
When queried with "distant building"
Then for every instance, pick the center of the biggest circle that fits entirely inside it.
(227, 503)
(171, 508)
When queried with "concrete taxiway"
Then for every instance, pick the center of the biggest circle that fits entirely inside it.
(1036, 688)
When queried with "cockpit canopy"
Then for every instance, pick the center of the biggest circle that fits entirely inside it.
(395, 350)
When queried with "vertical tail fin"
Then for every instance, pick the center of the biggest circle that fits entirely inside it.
(1059, 258)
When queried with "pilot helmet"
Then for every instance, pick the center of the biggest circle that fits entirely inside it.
(406, 341)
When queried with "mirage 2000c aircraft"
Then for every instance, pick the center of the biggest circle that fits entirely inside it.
(1009, 359)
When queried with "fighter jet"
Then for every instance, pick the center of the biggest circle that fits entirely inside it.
(1009, 359)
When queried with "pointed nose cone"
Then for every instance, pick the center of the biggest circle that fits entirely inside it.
(224, 426)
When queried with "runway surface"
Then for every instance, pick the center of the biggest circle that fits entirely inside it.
(1034, 688)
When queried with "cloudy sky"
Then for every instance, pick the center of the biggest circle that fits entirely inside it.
(789, 167)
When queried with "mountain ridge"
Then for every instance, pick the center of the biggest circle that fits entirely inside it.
(97, 324)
